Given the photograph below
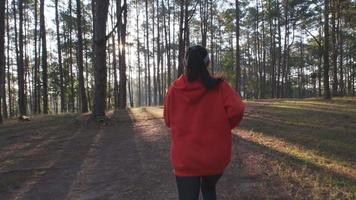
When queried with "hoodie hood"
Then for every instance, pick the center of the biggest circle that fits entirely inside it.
(191, 92)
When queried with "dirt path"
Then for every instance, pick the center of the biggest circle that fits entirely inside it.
(128, 158)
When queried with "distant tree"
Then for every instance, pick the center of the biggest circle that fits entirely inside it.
(147, 54)
(2, 51)
(8, 60)
(138, 54)
(334, 47)
(36, 101)
(59, 51)
(44, 58)
(20, 64)
(327, 94)
(181, 42)
(237, 56)
(83, 96)
(122, 25)
(204, 15)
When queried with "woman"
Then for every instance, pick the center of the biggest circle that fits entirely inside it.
(201, 111)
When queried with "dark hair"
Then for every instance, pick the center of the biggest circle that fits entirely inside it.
(197, 61)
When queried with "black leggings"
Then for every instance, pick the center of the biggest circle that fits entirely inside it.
(189, 187)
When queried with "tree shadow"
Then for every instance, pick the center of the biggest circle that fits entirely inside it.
(88, 156)
(298, 164)
(330, 134)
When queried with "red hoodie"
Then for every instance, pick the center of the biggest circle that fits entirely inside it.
(201, 121)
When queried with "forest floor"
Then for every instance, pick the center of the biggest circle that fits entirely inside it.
(284, 149)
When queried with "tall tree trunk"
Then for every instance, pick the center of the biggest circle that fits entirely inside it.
(8, 57)
(334, 48)
(145, 54)
(20, 65)
(138, 55)
(122, 19)
(27, 90)
(263, 46)
(155, 79)
(44, 58)
(108, 92)
(59, 51)
(2, 53)
(114, 62)
(186, 24)
(39, 91)
(71, 74)
(212, 62)
(168, 47)
(148, 58)
(101, 12)
(166, 78)
(203, 8)
(158, 79)
(301, 73)
(163, 76)
(174, 53)
(272, 52)
(83, 96)
(341, 46)
(90, 107)
(35, 75)
(327, 94)
(237, 55)
(279, 50)
(181, 43)
(3, 65)
(285, 51)
(321, 52)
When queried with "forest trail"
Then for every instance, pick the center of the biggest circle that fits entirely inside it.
(127, 158)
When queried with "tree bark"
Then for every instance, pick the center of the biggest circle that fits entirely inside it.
(8, 58)
(237, 55)
(334, 48)
(122, 17)
(36, 81)
(327, 94)
(83, 96)
(138, 55)
(114, 63)
(101, 11)
(203, 8)
(155, 79)
(2, 52)
(181, 43)
(59, 51)
(341, 46)
(71, 74)
(44, 58)
(278, 87)
(148, 59)
(20, 65)
(211, 38)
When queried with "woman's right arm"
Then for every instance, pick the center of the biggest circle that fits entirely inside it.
(233, 105)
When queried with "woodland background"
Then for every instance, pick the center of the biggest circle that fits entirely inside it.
(79, 55)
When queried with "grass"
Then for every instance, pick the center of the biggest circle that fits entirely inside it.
(310, 144)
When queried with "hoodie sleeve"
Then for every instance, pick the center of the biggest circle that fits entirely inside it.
(233, 105)
(167, 100)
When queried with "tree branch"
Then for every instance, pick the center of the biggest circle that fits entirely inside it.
(112, 31)
(316, 40)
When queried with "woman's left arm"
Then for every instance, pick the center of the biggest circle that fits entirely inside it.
(166, 108)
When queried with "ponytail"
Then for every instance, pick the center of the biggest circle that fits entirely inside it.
(197, 61)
